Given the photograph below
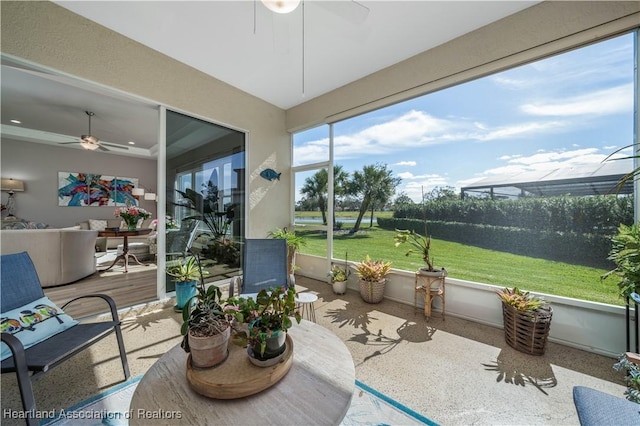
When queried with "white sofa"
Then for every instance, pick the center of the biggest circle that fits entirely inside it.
(60, 256)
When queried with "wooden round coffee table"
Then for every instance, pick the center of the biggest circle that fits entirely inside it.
(317, 390)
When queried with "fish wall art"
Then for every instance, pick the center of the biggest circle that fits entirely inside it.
(270, 174)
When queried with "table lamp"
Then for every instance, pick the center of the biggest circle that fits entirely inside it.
(11, 186)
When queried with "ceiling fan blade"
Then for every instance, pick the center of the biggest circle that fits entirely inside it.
(102, 148)
(66, 143)
(114, 145)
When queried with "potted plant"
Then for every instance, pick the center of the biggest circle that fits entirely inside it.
(267, 318)
(185, 274)
(372, 274)
(206, 328)
(629, 362)
(338, 277)
(422, 246)
(294, 242)
(527, 319)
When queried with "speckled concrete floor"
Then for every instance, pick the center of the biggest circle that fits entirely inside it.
(455, 372)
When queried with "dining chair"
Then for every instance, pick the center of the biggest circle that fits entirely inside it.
(264, 265)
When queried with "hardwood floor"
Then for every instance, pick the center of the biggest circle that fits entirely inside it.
(135, 287)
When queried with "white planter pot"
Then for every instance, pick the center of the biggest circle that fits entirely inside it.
(339, 287)
(435, 274)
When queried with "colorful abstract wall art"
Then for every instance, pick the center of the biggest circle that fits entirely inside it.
(76, 189)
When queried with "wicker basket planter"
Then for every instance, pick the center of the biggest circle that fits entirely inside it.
(527, 331)
(372, 291)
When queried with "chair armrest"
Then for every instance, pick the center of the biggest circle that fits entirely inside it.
(108, 299)
(22, 372)
(17, 348)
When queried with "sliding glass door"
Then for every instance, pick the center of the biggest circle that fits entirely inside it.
(205, 182)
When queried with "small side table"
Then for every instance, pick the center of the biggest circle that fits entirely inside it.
(305, 302)
(431, 286)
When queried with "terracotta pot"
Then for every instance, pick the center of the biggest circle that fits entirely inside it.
(209, 351)
(339, 287)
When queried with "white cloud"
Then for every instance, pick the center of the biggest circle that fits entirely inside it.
(520, 129)
(511, 83)
(586, 155)
(312, 152)
(415, 189)
(405, 163)
(604, 102)
(414, 130)
(405, 175)
(544, 161)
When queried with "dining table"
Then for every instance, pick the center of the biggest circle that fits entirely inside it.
(125, 234)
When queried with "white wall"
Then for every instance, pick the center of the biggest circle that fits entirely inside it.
(46, 34)
(38, 166)
(590, 326)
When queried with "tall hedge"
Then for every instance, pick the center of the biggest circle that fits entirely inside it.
(571, 247)
(593, 215)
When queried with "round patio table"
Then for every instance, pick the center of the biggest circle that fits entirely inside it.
(317, 390)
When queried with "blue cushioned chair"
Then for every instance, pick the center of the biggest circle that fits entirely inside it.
(20, 285)
(264, 265)
(597, 408)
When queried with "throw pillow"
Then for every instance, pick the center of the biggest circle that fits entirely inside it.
(97, 225)
(33, 323)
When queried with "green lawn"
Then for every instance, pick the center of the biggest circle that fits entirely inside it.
(473, 264)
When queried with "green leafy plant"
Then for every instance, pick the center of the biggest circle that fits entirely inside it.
(625, 253)
(632, 378)
(269, 312)
(186, 270)
(338, 274)
(372, 270)
(420, 244)
(294, 243)
(203, 315)
(523, 301)
(205, 207)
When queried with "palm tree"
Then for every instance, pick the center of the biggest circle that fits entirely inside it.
(315, 187)
(340, 184)
(374, 185)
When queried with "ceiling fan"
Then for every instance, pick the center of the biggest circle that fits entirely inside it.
(91, 142)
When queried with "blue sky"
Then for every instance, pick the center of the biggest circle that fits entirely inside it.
(569, 110)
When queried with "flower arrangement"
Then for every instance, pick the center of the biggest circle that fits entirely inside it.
(131, 215)
(169, 223)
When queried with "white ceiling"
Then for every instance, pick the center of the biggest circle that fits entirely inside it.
(344, 41)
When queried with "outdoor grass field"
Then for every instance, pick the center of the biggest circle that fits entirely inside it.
(468, 263)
